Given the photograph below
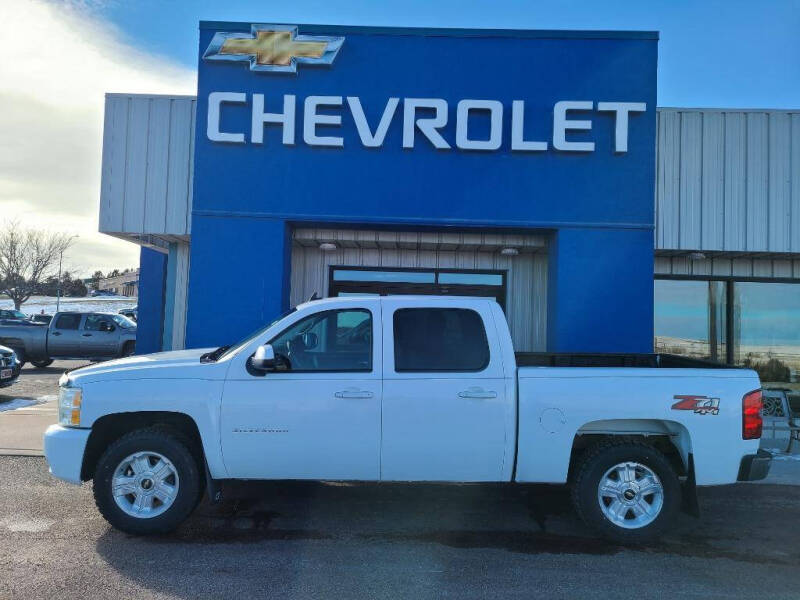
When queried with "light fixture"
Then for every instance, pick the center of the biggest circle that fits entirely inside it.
(696, 256)
(509, 251)
(327, 246)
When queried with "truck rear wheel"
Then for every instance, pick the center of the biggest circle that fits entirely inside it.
(147, 482)
(627, 491)
(41, 364)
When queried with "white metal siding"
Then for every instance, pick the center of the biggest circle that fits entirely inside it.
(526, 293)
(728, 180)
(146, 183)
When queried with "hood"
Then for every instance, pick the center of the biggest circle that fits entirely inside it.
(179, 364)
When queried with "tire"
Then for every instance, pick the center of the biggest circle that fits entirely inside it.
(122, 464)
(626, 469)
(41, 364)
(129, 349)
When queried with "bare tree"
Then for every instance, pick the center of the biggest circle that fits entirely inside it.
(27, 257)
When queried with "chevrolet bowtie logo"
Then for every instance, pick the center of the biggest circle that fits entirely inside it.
(276, 48)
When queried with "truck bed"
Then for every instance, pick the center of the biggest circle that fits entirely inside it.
(643, 360)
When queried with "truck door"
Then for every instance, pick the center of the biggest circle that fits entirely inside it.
(64, 335)
(318, 419)
(446, 414)
(100, 337)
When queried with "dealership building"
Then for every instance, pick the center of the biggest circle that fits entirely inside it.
(532, 167)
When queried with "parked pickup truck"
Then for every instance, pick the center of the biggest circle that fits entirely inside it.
(94, 336)
(404, 389)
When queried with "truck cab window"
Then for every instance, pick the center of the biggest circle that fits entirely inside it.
(68, 321)
(97, 323)
(332, 340)
(439, 339)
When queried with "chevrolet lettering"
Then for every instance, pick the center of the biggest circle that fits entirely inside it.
(570, 122)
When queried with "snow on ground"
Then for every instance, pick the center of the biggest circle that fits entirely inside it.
(22, 403)
(37, 304)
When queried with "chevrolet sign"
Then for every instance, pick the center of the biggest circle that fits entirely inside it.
(429, 127)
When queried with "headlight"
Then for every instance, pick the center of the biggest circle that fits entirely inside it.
(69, 406)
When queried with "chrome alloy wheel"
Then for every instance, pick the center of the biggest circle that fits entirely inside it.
(145, 485)
(630, 495)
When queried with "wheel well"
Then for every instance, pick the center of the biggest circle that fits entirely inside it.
(661, 442)
(110, 428)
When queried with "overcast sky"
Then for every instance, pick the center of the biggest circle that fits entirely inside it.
(60, 57)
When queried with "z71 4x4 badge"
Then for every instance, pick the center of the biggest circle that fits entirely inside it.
(701, 405)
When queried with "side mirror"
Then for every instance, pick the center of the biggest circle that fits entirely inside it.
(264, 358)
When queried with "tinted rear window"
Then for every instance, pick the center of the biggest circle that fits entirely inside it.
(68, 322)
(439, 339)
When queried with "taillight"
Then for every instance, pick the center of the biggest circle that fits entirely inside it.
(751, 415)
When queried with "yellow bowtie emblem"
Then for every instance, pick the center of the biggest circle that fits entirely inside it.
(273, 48)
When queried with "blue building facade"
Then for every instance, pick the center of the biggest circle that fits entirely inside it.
(512, 132)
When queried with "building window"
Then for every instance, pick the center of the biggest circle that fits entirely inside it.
(349, 281)
(696, 317)
(690, 318)
(766, 325)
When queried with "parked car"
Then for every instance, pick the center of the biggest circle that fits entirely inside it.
(9, 367)
(72, 335)
(96, 293)
(8, 315)
(405, 388)
(131, 313)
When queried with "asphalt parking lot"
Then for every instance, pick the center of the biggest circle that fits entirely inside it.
(299, 540)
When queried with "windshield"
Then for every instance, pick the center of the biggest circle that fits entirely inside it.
(239, 345)
(123, 321)
(12, 314)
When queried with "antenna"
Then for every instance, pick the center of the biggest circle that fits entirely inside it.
(314, 296)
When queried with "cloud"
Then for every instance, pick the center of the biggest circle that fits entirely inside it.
(58, 62)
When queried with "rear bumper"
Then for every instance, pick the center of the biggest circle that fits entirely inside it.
(63, 448)
(755, 466)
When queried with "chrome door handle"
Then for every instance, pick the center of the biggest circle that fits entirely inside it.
(86, 335)
(476, 392)
(354, 394)
(56, 333)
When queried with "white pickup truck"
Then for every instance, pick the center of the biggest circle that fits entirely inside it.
(403, 389)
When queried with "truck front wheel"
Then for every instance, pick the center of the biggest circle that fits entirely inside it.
(147, 482)
(626, 491)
